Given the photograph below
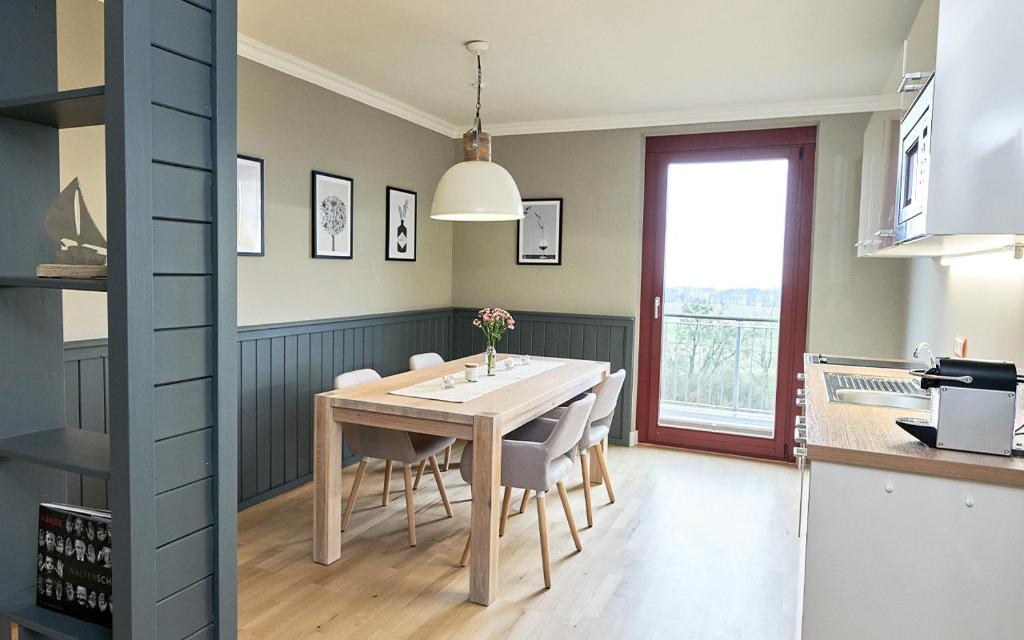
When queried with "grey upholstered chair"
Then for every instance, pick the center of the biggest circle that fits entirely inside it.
(390, 445)
(595, 437)
(422, 361)
(537, 457)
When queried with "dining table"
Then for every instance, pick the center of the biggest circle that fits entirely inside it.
(442, 400)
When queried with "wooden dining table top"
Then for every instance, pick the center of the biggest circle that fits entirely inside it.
(509, 405)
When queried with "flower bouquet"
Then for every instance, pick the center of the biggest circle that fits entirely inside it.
(494, 323)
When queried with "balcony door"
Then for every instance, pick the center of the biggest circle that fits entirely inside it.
(727, 236)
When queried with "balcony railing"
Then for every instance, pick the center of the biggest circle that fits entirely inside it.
(719, 370)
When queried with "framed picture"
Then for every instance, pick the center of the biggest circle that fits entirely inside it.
(332, 216)
(401, 228)
(250, 206)
(539, 233)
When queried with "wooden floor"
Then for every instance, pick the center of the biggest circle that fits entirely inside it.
(696, 546)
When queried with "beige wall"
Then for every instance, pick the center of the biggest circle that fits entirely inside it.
(80, 64)
(855, 305)
(295, 127)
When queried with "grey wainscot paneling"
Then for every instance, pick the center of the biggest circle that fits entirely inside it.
(281, 367)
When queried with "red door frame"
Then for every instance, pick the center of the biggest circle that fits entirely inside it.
(796, 144)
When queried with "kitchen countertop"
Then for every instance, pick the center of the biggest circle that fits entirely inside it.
(868, 436)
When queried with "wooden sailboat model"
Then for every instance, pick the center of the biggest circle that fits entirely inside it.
(82, 250)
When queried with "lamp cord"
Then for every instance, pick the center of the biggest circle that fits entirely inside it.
(479, 84)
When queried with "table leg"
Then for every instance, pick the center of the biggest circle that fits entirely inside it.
(327, 480)
(483, 560)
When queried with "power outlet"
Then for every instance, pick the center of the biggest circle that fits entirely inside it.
(960, 346)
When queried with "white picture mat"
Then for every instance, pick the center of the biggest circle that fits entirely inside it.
(395, 200)
(250, 206)
(342, 243)
(465, 391)
(531, 236)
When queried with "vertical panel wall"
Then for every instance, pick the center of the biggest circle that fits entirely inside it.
(31, 370)
(562, 335)
(171, 188)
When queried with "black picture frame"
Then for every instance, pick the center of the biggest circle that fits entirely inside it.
(533, 260)
(388, 219)
(263, 206)
(316, 252)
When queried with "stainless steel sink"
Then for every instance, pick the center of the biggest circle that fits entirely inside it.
(876, 391)
(883, 399)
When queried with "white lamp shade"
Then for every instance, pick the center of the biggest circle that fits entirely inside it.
(477, 191)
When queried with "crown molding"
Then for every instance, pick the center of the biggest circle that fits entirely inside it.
(285, 62)
(702, 115)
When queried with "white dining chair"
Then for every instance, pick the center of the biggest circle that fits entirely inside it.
(537, 458)
(390, 445)
(422, 361)
(595, 435)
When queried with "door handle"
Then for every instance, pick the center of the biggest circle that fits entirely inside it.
(657, 307)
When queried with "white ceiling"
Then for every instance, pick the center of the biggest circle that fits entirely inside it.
(558, 64)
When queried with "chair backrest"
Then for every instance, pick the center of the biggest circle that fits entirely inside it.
(569, 429)
(424, 360)
(607, 397)
(352, 378)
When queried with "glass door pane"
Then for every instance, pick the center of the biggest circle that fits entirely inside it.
(724, 246)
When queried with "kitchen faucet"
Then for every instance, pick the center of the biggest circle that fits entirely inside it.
(924, 346)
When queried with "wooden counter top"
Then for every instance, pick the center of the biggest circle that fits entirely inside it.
(868, 436)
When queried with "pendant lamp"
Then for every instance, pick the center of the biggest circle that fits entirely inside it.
(477, 190)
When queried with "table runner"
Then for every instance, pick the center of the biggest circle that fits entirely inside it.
(465, 391)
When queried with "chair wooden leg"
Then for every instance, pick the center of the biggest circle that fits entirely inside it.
(419, 474)
(387, 484)
(355, 492)
(465, 554)
(526, 500)
(542, 524)
(601, 460)
(440, 485)
(568, 516)
(505, 504)
(410, 513)
(448, 457)
(587, 498)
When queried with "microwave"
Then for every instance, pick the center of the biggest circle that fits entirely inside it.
(914, 167)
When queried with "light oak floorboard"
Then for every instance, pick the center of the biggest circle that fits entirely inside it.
(696, 546)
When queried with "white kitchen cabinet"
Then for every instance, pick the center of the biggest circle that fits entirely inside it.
(976, 186)
(900, 555)
(878, 182)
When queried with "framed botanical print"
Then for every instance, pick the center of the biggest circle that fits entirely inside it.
(331, 210)
(401, 225)
(539, 233)
(250, 206)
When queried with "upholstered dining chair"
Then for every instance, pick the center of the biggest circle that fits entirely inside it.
(595, 435)
(538, 457)
(422, 361)
(390, 445)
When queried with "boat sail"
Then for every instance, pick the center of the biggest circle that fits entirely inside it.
(69, 223)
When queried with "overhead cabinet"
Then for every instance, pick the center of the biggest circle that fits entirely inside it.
(969, 183)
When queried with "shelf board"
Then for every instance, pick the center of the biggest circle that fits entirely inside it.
(75, 450)
(21, 609)
(64, 109)
(79, 284)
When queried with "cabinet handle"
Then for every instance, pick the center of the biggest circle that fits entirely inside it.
(657, 307)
